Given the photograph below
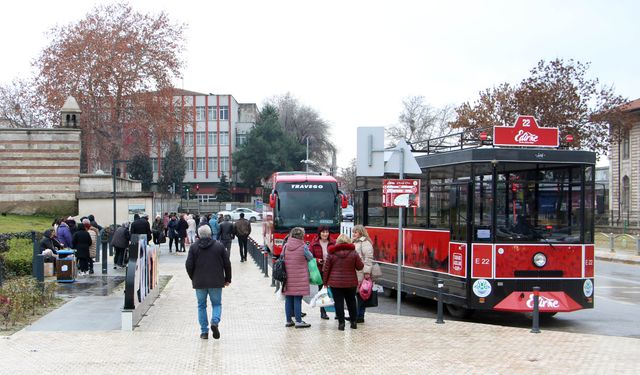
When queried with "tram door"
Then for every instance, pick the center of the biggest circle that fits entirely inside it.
(460, 211)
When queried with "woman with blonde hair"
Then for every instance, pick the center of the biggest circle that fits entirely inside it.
(364, 248)
(339, 273)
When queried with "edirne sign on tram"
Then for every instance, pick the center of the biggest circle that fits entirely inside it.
(525, 133)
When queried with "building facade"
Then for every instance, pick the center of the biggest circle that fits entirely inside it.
(211, 129)
(624, 158)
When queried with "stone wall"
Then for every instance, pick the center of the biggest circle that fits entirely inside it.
(39, 171)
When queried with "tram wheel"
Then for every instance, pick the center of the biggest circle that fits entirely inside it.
(458, 311)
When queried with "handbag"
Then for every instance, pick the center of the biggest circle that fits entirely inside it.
(315, 277)
(279, 271)
(331, 308)
(322, 299)
(366, 288)
(372, 301)
(376, 272)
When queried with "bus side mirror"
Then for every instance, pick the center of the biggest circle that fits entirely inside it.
(272, 200)
(344, 202)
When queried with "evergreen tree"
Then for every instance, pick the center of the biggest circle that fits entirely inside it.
(173, 168)
(268, 149)
(140, 169)
(223, 194)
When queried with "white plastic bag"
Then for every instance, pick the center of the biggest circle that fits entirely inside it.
(322, 299)
(378, 288)
(279, 295)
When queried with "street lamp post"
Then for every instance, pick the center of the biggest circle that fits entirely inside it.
(113, 174)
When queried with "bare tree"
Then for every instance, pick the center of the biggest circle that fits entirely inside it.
(119, 65)
(347, 178)
(17, 108)
(301, 122)
(420, 122)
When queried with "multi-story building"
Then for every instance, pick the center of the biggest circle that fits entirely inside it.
(213, 127)
(624, 159)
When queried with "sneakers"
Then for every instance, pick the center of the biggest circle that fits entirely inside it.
(215, 332)
(302, 324)
(303, 314)
(289, 324)
(324, 316)
(204, 336)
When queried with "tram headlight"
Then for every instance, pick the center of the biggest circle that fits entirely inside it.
(539, 259)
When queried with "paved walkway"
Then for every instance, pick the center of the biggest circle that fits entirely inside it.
(255, 341)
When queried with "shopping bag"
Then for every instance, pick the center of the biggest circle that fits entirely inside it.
(365, 289)
(331, 308)
(376, 272)
(315, 277)
(279, 295)
(322, 299)
(372, 301)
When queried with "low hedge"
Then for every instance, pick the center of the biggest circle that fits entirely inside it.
(16, 253)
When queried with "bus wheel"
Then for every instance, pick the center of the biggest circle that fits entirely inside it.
(459, 311)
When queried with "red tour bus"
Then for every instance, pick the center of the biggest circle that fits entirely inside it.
(300, 199)
(494, 222)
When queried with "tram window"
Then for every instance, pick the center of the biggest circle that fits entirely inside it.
(589, 203)
(538, 204)
(483, 207)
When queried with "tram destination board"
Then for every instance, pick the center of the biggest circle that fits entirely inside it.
(401, 193)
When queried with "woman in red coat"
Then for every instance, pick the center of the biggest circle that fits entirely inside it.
(320, 250)
(339, 273)
(296, 258)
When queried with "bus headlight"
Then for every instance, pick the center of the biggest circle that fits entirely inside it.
(539, 259)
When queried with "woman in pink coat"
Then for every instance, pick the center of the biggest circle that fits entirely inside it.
(296, 257)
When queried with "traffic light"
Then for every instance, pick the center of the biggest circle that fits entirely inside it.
(197, 187)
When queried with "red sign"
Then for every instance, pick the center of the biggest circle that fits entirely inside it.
(401, 193)
(525, 133)
(458, 259)
(482, 261)
(547, 302)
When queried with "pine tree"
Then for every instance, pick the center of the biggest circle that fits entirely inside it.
(173, 168)
(140, 169)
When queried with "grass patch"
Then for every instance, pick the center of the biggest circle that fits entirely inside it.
(24, 223)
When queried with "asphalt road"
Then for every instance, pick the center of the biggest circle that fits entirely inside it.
(616, 311)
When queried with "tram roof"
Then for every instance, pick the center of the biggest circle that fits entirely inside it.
(506, 155)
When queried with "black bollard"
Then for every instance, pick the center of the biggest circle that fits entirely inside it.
(38, 267)
(440, 319)
(536, 310)
(104, 257)
(266, 263)
(35, 254)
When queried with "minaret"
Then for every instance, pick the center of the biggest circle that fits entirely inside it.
(70, 113)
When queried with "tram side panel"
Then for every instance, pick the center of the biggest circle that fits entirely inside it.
(427, 258)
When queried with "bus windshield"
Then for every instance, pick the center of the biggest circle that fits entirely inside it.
(307, 205)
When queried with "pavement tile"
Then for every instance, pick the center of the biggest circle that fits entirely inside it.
(255, 341)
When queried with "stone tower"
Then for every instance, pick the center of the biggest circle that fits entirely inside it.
(70, 113)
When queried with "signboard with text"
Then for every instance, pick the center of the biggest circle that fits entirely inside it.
(401, 193)
(526, 133)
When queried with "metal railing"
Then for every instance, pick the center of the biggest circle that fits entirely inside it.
(618, 242)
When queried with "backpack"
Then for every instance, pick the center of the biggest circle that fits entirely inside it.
(279, 271)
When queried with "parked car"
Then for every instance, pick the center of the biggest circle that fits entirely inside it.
(249, 214)
(347, 213)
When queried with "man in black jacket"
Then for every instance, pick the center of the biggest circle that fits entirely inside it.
(227, 233)
(209, 269)
(140, 225)
(242, 228)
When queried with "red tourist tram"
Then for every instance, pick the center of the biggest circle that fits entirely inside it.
(493, 223)
(300, 199)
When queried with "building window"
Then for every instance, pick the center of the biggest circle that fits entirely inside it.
(200, 164)
(224, 164)
(224, 138)
(200, 138)
(213, 164)
(626, 145)
(213, 138)
(199, 113)
(188, 139)
(224, 112)
(154, 165)
(189, 164)
(241, 139)
(212, 112)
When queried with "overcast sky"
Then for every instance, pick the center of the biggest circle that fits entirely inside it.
(355, 61)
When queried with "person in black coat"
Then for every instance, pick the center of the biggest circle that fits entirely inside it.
(82, 242)
(172, 232)
(227, 233)
(209, 269)
(181, 230)
(120, 242)
(140, 226)
(49, 246)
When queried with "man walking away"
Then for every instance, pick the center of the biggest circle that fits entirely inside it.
(209, 269)
(242, 228)
(226, 233)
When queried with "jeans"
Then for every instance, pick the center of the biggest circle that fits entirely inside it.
(340, 295)
(361, 308)
(173, 240)
(191, 234)
(293, 306)
(215, 296)
(242, 242)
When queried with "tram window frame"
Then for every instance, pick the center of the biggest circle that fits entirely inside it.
(537, 203)
(483, 203)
